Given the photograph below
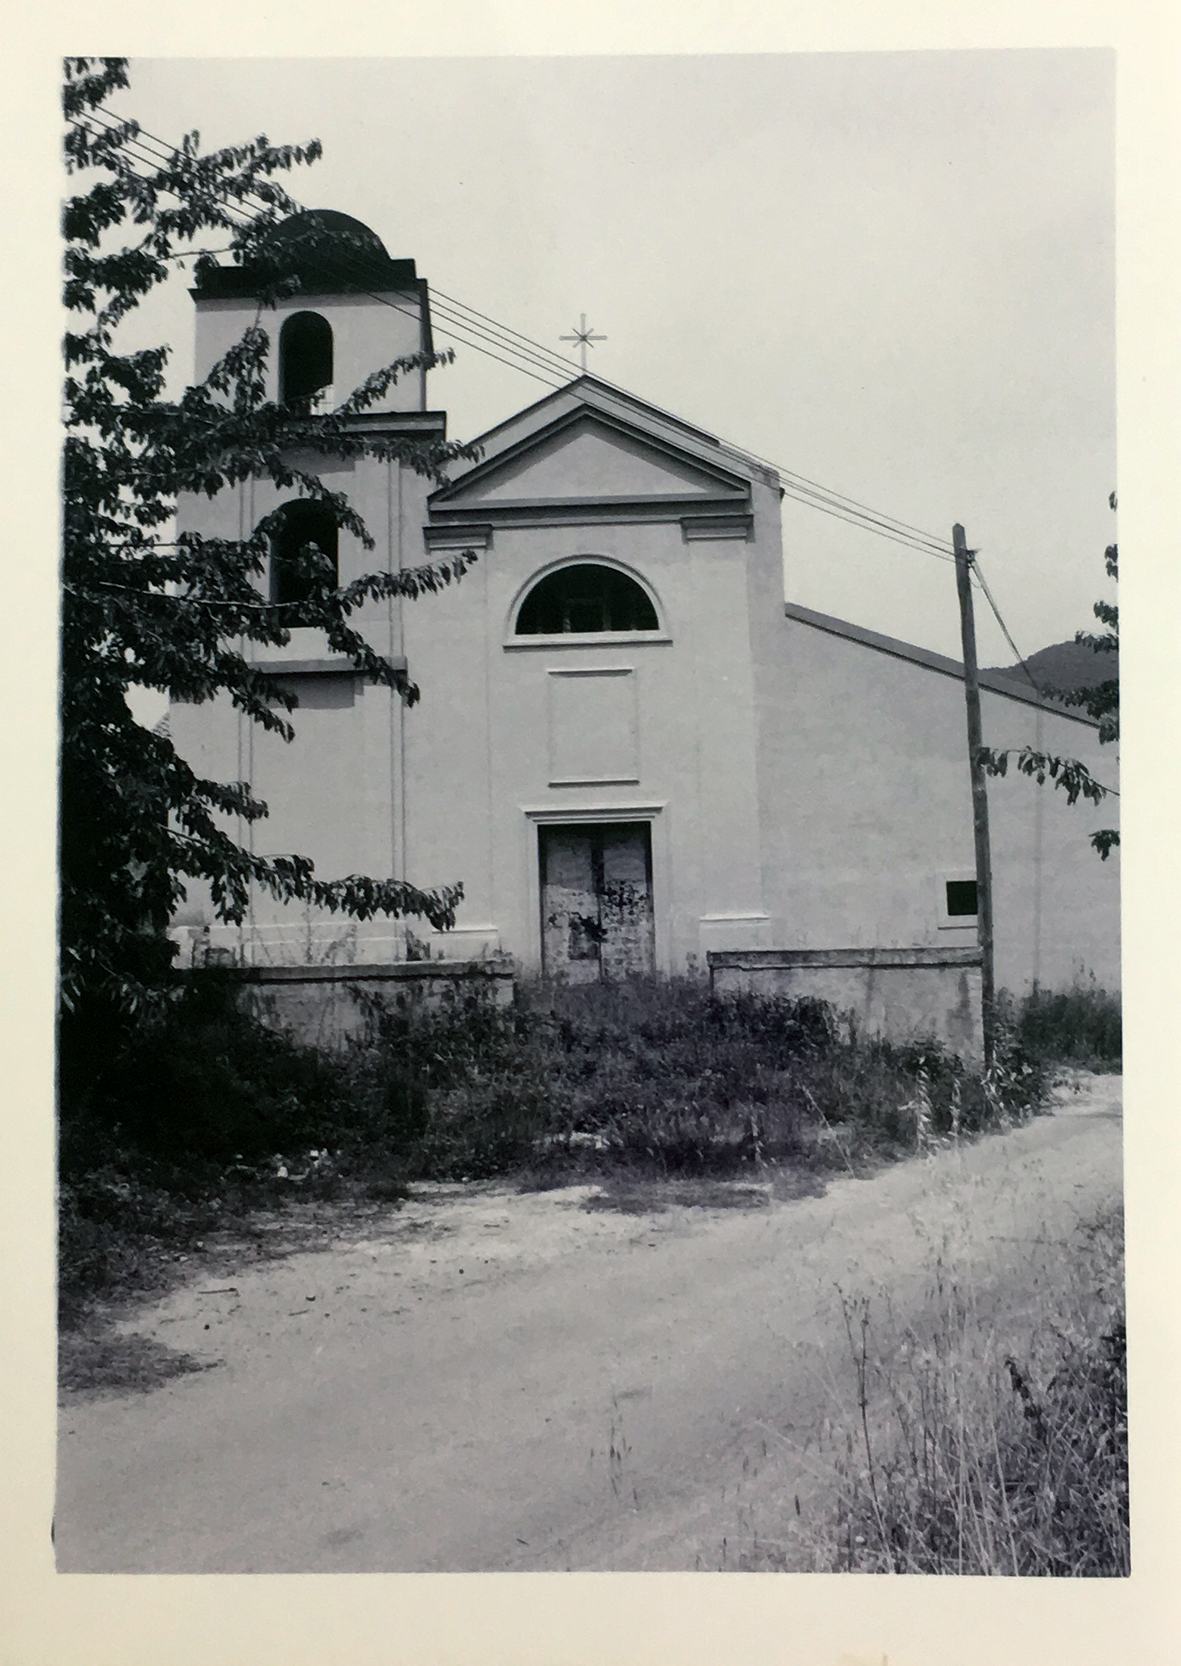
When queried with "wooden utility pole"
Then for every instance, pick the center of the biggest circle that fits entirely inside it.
(963, 580)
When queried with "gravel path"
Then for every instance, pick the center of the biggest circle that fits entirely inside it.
(491, 1380)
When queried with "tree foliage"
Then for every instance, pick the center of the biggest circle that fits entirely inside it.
(144, 607)
(1100, 701)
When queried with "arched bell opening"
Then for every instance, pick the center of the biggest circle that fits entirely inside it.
(295, 568)
(305, 357)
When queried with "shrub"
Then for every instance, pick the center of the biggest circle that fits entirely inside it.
(1079, 1026)
(200, 1080)
(655, 1075)
(178, 1133)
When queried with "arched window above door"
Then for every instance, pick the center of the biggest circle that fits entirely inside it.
(585, 598)
(305, 357)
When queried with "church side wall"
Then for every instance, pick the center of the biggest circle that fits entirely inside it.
(866, 810)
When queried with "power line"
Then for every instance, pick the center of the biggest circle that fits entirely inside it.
(476, 329)
(466, 325)
(827, 494)
(453, 308)
(812, 486)
(974, 563)
(808, 492)
(450, 326)
(868, 520)
(864, 526)
(558, 360)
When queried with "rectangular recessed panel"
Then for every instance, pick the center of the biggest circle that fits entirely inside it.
(593, 726)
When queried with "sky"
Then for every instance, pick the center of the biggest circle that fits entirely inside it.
(892, 273)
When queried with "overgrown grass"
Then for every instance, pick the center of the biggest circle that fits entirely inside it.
(660, 1076)
(1080, 1026)
(965, 1455)
(208, 1116)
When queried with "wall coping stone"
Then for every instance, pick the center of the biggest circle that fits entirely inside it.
(871, 957)
(396, 971)
(335, 665)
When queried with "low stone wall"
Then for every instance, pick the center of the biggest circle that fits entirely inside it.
(902, 994)
(324, 1006)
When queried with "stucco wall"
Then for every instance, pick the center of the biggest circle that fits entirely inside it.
(867, 807)
(502, 718)
(367, 333)
(336, 791)
(327, 1007)
(907, 995)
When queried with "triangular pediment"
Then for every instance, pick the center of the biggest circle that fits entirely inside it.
(590, 457)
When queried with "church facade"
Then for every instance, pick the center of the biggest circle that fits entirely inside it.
(629, 749)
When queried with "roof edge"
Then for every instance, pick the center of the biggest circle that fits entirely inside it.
(609, 400)
(586, 411)
(931, 661)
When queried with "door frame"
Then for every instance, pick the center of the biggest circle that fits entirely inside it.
(580, 815)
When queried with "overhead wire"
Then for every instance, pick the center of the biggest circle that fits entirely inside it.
(974, 567)
(240, 217)
(825, 494)
(863, 526)
(152, 150)
(452, 324)
(560, 360)
(532, 357)
(807, 490)
(477, 330)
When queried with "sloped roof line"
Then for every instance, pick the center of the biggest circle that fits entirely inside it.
(714, 467)
(606, 394)
(940, 663)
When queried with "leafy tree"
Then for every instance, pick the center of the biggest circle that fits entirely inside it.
(145, 608)
(1099, 700)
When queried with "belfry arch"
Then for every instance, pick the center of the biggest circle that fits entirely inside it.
(305, 357)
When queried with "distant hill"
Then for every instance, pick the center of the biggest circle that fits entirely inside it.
(1067, 665)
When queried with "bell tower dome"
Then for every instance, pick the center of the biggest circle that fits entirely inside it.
(347, 310)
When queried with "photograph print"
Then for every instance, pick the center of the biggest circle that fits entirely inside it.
(589, 1003)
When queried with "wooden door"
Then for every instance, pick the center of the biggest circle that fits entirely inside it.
(596, 901)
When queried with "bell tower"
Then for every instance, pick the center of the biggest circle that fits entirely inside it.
(351, 310)
(337, 792)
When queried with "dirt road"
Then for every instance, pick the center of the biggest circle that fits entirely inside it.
(502, 1381)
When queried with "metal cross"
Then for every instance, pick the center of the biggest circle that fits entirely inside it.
(584, 337)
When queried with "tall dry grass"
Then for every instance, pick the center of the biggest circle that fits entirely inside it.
(964, 1452)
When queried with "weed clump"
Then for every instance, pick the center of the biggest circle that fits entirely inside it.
(1080, 1026)
(966, 1455)
(660, 1076)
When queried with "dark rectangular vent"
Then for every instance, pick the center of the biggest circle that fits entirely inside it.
(961, 897)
